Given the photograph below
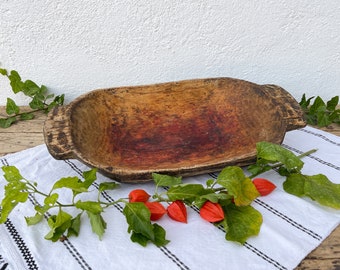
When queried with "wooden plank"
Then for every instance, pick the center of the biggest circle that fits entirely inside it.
(11, 143)
(325, 256)
(334, 129)
(21, 135)
(29, 133)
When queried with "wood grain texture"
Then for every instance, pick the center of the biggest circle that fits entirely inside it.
(179, 128)
(23, 134)
(28, 134)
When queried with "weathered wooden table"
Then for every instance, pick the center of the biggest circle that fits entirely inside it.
(27, 134)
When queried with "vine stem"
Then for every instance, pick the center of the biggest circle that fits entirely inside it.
(279, 164)
(307, 153)
(299, 156)
(22, 113)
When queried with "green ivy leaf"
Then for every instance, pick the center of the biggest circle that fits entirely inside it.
(143, 240)
(7, 122)
(58, 100)
(98, 224)
(15, 191)
(108, 186)
(89, 177)
(11, 173)
(49, 96)
(335, 116)
(221, 198)
(38, 95)
(51, 199)
(44, 90)
(332, 103)
(163, 180)
(215, 197)
(15, 188)
(138, 218)
(34, 219)
(256, 169)
(42, 209)
(75, 226)
(295, 184)
(37, 103)
(139, 238)
(72, 183)
(31, 88)
(26, 116)
(304, 103)
(160, 234)
(15, 81)
(243, 222)
(185, 192)
(3, 71)
(89, 206)
(273, 153)
(11, 107)
(59, 224)
(210, 182)
(320, 113)
(317, 187)
(322, 118)
(238, 185)
(10, 201)
(318, 105)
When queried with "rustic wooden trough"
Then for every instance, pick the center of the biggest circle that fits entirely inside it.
(178, 128)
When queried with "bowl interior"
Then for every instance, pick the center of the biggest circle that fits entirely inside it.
(170, 127)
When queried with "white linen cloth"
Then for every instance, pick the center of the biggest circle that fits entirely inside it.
(292, 227)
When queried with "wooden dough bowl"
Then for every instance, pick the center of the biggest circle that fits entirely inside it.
(177, 128)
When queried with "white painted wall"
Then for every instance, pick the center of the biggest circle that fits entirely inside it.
(77, 46)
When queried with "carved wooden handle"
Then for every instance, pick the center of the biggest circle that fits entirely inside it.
(57, 133)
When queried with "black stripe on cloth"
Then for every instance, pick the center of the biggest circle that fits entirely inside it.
(73, 251)
(289, 220)
(3, 263)
(174, 258)
(4, 162)
(20, 243)
(251, 248)
(264, 256)
(259, 253)
(213, 175)
(313, 157)
(319, 135)
(75, 254)
(18, 240)
(164, 250)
